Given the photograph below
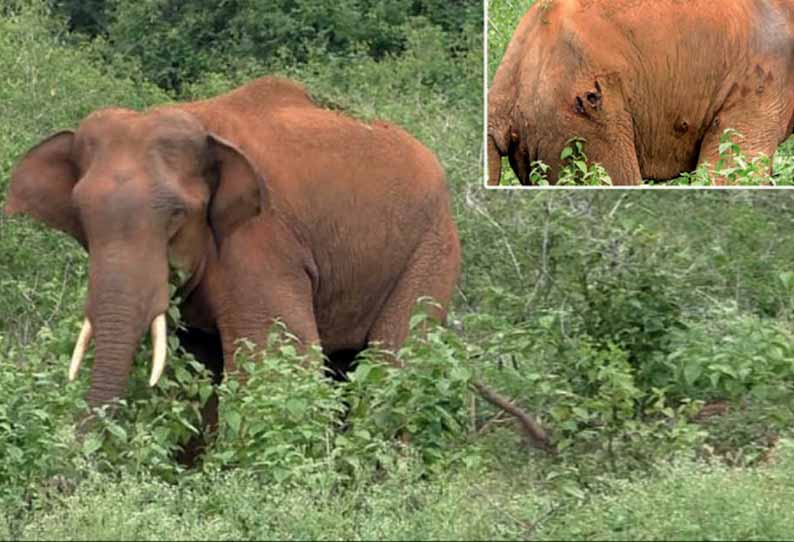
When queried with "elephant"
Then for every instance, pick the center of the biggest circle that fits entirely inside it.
(650, 85)
(266, 205)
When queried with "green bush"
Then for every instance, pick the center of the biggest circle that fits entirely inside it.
(37, 424)
(176, 42)
(289, 424)
(725, 354)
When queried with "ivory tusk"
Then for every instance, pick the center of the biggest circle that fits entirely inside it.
(79, 349)
(158, 349)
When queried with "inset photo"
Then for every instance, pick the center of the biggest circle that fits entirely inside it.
(648, 93)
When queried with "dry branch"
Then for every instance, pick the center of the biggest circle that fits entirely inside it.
(535, 434)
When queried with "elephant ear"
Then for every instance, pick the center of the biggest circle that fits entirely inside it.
(42, 183)
(238, 190)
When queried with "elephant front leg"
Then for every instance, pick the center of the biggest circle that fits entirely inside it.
(251, 315)
(755, 140)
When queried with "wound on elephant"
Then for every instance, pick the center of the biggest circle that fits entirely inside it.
(684, 66)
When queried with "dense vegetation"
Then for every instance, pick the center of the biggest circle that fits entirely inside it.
(736, 168)
(650, 332)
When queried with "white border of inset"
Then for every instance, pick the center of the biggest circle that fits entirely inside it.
(484, 151)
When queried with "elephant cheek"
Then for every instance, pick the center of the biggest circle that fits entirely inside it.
(186, 250)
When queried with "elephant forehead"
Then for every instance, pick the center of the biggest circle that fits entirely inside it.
(135, 128)
(172, 129)
(117, 184)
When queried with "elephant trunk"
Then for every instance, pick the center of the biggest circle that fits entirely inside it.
(125, 298)
(494, 163)
(117, 336)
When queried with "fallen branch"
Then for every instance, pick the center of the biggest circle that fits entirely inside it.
(535, 434)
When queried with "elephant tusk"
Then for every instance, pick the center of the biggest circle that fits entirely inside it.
(158, 349)
(79, 349)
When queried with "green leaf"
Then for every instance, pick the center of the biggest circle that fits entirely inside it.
(91, 444)
(296, 407)
(118, 432)
(233, 419)
(460, 374)
(692, 372)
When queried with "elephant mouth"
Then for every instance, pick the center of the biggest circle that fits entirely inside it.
(157, 331)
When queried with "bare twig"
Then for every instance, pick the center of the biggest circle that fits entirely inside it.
(473, 412)
(496, 418)
(535, 434)
(617, 206)
(470, 202)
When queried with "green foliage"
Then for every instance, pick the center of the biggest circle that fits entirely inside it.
(735, 169)
(725, 354)
(685, 499)
(281, 418)
(423, 403)
(576, 171)
(176, 42)
(36, 425)
(603, 303)
(287, 424)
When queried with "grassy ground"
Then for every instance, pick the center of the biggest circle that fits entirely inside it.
(504, 16)
(683, 501)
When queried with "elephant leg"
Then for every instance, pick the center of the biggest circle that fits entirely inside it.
(252, 310)
(756, 140)
(433, 272)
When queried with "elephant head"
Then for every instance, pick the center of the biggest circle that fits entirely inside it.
(141, 192)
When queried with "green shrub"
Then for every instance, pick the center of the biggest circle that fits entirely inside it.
(37, 418)
(288, 423)
(175, 43)
(725, 354)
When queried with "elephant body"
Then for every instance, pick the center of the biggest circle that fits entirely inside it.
(271, 207)
(359, 226)
(651, 85)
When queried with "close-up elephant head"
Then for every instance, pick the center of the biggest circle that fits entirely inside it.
(140, 192)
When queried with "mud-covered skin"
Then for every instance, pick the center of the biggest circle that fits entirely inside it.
(650, 84)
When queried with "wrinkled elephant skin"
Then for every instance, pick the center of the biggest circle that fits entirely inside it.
(651, 85)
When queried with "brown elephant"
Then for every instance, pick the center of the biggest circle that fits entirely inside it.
(271, 207)
(651, 85)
